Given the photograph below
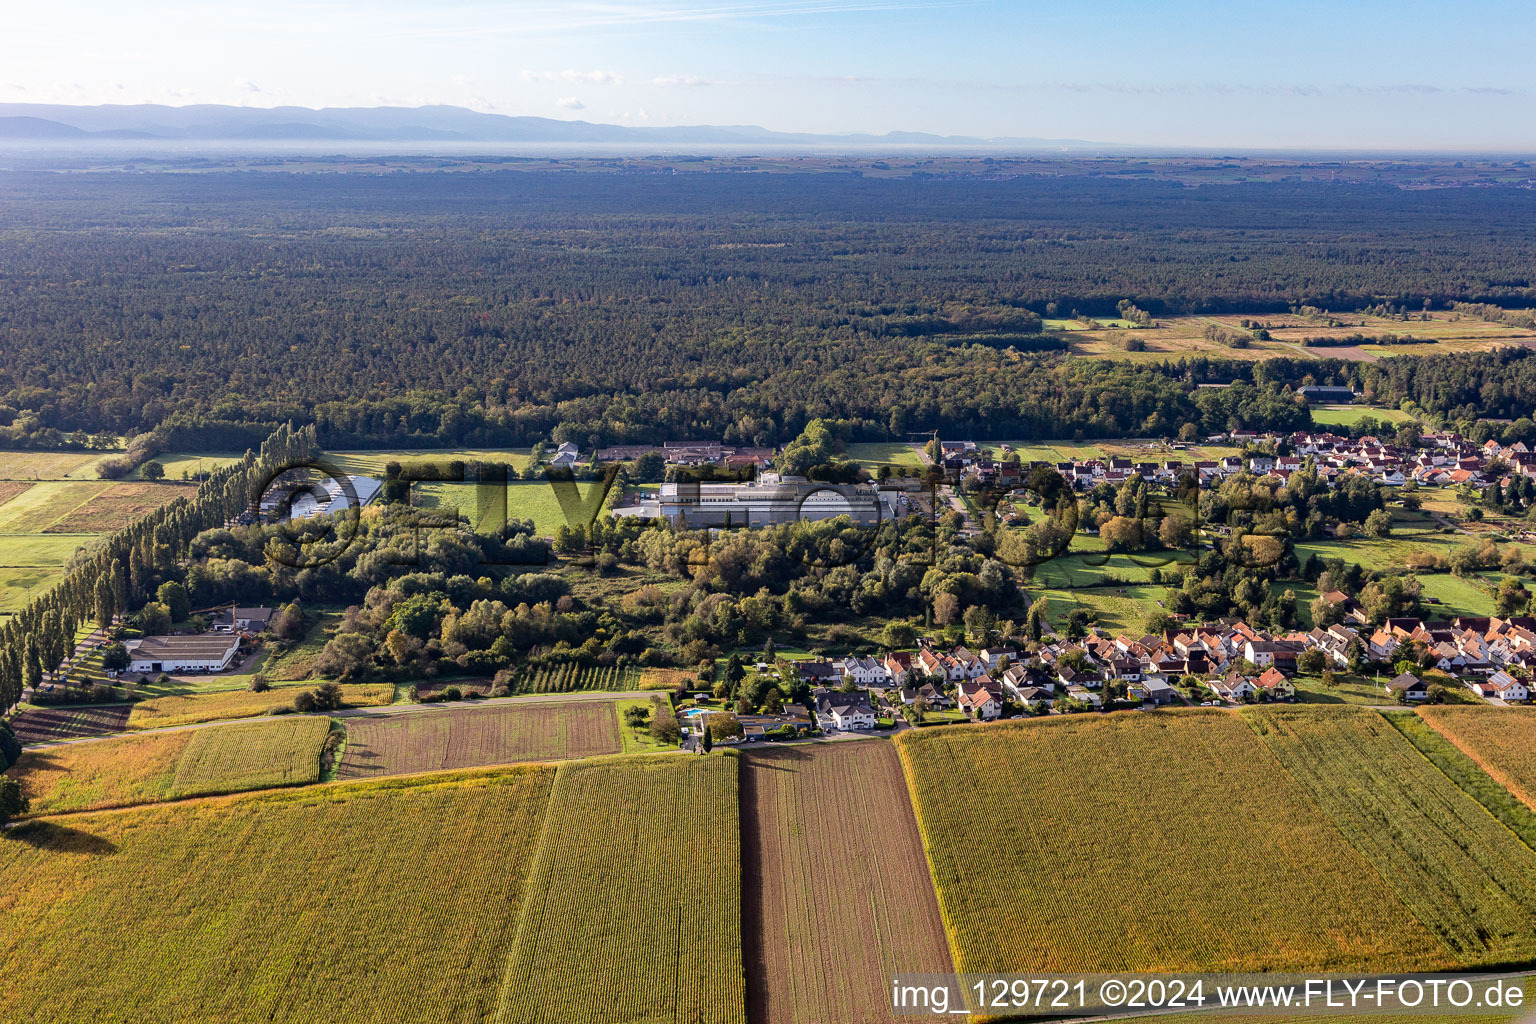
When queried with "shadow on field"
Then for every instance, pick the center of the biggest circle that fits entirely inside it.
(51, 836)
(764, 758)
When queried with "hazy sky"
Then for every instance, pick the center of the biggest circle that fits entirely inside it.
(1403, 74)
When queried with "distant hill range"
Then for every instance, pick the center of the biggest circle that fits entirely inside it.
(213, 122)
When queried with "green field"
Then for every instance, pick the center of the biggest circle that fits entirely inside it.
(530, 499)
(389, 901)
(638, 741)
(294, 660)
(36, 550)
(167, 766)
(875, 455)
(1349, 415)
(190, 463)
(1462, 873)
(372, 463)
(1117, 609)
(1457, 595)
(1181, 846)
(18, 586)
(50, 465)
(636, 894)
(1378, 552)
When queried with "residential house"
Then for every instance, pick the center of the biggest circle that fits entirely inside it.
(1275, 683)
(845, 711)
(243, 620)
(864, 671)
(1152, 691)
(1409, 687)
(979, 703)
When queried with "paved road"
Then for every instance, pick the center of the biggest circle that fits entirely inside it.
(381, 710)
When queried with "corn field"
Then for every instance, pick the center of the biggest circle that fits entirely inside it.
(1167, 841)
(635, 898)
(1501, 740)
(374, 902)
(1466, 876)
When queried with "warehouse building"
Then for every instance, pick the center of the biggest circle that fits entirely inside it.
(206, 653)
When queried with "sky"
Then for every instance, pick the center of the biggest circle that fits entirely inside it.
(1347, 74)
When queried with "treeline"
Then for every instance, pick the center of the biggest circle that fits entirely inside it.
(123, 570)
(1343, 340)
(426, 310)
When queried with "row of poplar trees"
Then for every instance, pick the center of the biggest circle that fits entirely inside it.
(121, 573)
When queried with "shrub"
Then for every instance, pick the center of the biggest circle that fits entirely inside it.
(10, 746)
(304, 702)
(12, 801)
(259, 684)
(453, 693)
(327, 697)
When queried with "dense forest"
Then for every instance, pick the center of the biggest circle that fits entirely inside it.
(501, 308)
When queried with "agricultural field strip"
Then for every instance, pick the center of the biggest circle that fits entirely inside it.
(182, 911)
(1175, 812)
(462, 738)
(137, 769)
(836, 892)
(1502, 742)
(1464, 874)
(386, 709)
(194, 708)
(635, 892)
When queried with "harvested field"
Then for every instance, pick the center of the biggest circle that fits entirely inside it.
(635, 894)
(467, 737)
(1463, 873)
(119, 504)
(191, 708)
(333, 904)
(43, 725)
(128, 770)
(10, 488)
(836, 895)
(1216, 860)
(1501, 740)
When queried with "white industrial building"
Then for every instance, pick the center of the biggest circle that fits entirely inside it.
(766, 501)
(205, 653)
(307, 500)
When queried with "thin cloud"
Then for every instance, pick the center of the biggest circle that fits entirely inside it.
(619, 14)
(685, 81)
(574, 77)
(570, 103)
